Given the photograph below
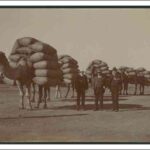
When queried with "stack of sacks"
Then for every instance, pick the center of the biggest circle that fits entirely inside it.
(147, 75)
(140, 71)
(97, 66)
(123, 68)
(69, 68)
(40, 56)
(130, 71)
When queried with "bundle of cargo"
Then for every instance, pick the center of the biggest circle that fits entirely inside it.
(69, 67)
(38, 55)
(130, 71)
(123, 68)
(147, 75)
(140, 71)
(97, 66)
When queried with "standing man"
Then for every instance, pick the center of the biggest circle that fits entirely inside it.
(115, 85)
(81, 85)
(98, 85)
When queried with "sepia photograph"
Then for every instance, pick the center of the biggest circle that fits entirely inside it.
(75, 75)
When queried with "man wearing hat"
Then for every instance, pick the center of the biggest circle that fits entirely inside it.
(81, 85)
(98, 85)
(115, 86)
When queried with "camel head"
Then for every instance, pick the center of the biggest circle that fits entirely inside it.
(3, 61)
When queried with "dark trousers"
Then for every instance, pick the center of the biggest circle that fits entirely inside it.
(81, 98)
(99, 92)
(115, 98)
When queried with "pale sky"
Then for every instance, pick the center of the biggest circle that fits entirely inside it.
(116, 36)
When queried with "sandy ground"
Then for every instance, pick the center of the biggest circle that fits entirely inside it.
(62, 123)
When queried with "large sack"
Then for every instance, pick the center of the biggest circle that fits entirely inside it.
(69, 65)
(42, 47)
(104, 68)
(13, 64)
(39, 56)
(68, 60)
(130, 70)
(123, 67)
(140, 69)
(15, 57)
(146, 72)
(24, 50)
(70, 70)
(68, 81)
(22, 42)
(48, 73)
(63, 56)
(131, 73)
(96, 61)
(106, 72)
(147, 76)
(25, 41)
(69, 76)
(46, 64)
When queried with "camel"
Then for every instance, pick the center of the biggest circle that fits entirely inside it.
(69, 86)
(135, 80)
(23, 75)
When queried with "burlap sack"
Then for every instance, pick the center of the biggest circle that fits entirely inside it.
(42, 47)
(69, 65)
(24, 50)
(39, 56)
(68, 60)
(63, 56)
(141, 69)
(69, 76)
(15, 57)
(68, 81)
(46, 64)
(69, 70)
(48, 73)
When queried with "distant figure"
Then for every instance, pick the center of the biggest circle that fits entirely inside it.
(115, 85)
(81, 85)
(98, 85)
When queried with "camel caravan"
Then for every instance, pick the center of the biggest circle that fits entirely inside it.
(34, 63)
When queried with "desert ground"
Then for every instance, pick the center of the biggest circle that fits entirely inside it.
(61, 122)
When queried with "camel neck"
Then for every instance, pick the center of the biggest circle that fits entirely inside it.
(11, 73)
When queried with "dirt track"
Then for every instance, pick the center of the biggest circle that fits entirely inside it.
(62, 123)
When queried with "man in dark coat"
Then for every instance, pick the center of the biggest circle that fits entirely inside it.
(81, 85)
(115, 85)
(98, 85)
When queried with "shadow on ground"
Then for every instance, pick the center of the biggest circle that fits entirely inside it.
(124, 107)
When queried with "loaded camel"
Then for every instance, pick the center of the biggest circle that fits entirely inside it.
(135, 80)
(23, 75)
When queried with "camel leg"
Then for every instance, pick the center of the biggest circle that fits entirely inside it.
(72, 92)
(28, 95)
(33, 93)
(48, 94)
(57, 90)
(22, 94)
(135, 89)
(45, 96)
(68, 89)
(40, 96)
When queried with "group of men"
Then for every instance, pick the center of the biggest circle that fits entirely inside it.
(98, 84)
